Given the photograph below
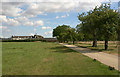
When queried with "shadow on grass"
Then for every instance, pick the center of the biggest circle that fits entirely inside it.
(103, 50)
(99, 50)
(84, 46)
(63, 49)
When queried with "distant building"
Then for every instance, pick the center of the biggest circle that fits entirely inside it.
(26, 37)
(119, 6)
(50, 39)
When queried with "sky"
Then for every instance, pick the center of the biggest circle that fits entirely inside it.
(29, 17)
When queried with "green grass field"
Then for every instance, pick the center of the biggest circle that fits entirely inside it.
(45, 58)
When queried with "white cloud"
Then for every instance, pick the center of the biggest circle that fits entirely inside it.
(33, 9)
(39, 23)
(8, 21)
(47, 33)
(22, 19)
(11, 8)
(12, 22)
(46, 27)
(3, 19)
(3, 27)
(57, 17)
(36, 23)
(28, 23)
(63, 16)
(57, 0)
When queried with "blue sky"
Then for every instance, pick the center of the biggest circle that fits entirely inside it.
(29, 18)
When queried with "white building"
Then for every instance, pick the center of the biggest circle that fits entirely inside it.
(26, 37)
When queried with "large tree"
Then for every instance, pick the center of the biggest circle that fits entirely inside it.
(83, 34)
(90, 24)
(60, 32)
(102, 21)
(118, 28)
(109, 21)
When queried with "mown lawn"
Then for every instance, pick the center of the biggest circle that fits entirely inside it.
(45, 58)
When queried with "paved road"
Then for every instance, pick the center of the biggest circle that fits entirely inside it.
(107, 59)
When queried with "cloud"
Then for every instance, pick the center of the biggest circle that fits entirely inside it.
(21, 19)
(40, 22)
(32, 23)
(47, 33)
(37, 7)
(63, 16)
(8, 21)
(46, 27)
(29, 23)
(57, 0)
(3, 18)
(32, 9)
(11, 8)
(3, 27)
(12, 22)
(57, 17)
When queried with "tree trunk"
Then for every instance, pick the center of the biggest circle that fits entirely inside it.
(94, 40)
(118, 35)
(73, 42)
(106, 44)
(67, 41)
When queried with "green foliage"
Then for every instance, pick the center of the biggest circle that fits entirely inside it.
(60, 32)
(65, 33)
(109, 21)
(72, 34)
(102, 22)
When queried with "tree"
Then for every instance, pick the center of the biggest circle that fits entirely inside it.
(72, 35)
(83, 34)
(60, 32)
(89, 25)
(118, 28)
(109, 21)
(102, 21)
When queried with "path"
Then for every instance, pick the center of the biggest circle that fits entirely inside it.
(107, 59)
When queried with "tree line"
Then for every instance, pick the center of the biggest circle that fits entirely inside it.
(101, 23)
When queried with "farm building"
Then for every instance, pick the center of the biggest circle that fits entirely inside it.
(26, 37)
